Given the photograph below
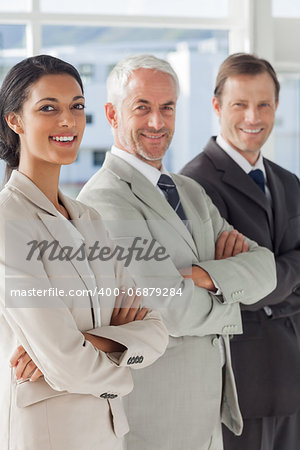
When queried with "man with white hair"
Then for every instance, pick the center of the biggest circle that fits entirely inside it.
(179, 402)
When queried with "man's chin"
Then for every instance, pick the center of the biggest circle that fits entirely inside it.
(252, 145)
(150, 158)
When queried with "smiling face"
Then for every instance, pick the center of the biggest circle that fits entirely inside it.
(247, 112)
(52, 121)
(144, 126)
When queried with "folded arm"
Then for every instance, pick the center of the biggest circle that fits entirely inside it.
(126, 310)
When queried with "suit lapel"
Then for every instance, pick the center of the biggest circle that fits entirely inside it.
(60, 231)
(278, 200)
(193, 217)
(144, 190)
(58, 228)
(159, 204)
(235, 177)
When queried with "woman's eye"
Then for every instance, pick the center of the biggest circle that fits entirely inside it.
(47, 108)
(79, 106)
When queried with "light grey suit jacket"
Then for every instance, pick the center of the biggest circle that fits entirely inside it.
(177, 404)
(77, 404)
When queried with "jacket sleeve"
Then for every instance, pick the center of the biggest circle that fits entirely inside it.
(253, 270)
(287, 264)
(288, 281)
(145, 340)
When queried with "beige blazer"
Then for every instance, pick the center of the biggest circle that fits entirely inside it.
(177, 403)
(77, 404)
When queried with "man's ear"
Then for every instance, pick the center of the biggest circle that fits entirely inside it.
(111, 114)
(14, 122)
(216, 106)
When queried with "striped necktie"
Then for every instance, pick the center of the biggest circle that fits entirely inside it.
(166, 184)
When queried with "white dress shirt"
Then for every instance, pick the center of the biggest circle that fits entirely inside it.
(151, 173)
(243, 163)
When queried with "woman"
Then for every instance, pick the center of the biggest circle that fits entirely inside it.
(50, 307)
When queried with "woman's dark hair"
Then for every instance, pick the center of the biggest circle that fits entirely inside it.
(15, 90)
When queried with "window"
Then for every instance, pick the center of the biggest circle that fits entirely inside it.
(89, 118)
(286, 8)
(287, 125)
(87, 72)
(15, 6)
(12, 46)
(98, 157)
(192, 36)
(176, 8)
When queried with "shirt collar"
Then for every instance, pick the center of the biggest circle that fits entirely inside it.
(151, 173)
(239, 159)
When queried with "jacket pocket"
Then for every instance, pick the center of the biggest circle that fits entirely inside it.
(119, 419)
(28, 393)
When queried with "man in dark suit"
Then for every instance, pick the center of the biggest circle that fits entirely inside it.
(262, 200)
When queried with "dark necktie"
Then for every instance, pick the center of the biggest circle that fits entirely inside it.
(257, 176)
(166, 184)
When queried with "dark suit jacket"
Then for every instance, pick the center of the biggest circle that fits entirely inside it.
(266, 358)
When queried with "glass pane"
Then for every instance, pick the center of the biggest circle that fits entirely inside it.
(15, 5)
(194, 54)
(12, 50)
(173, 8)
(286, 8)
(12, 46)
(287, 125)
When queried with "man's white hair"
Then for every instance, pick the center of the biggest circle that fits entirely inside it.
(118, 78)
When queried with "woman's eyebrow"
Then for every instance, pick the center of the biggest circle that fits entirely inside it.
(53, 99)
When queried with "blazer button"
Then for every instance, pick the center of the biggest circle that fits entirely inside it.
(129, 361)
(136, 360)
(215, 342)
(141, 359)
(268, 311)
